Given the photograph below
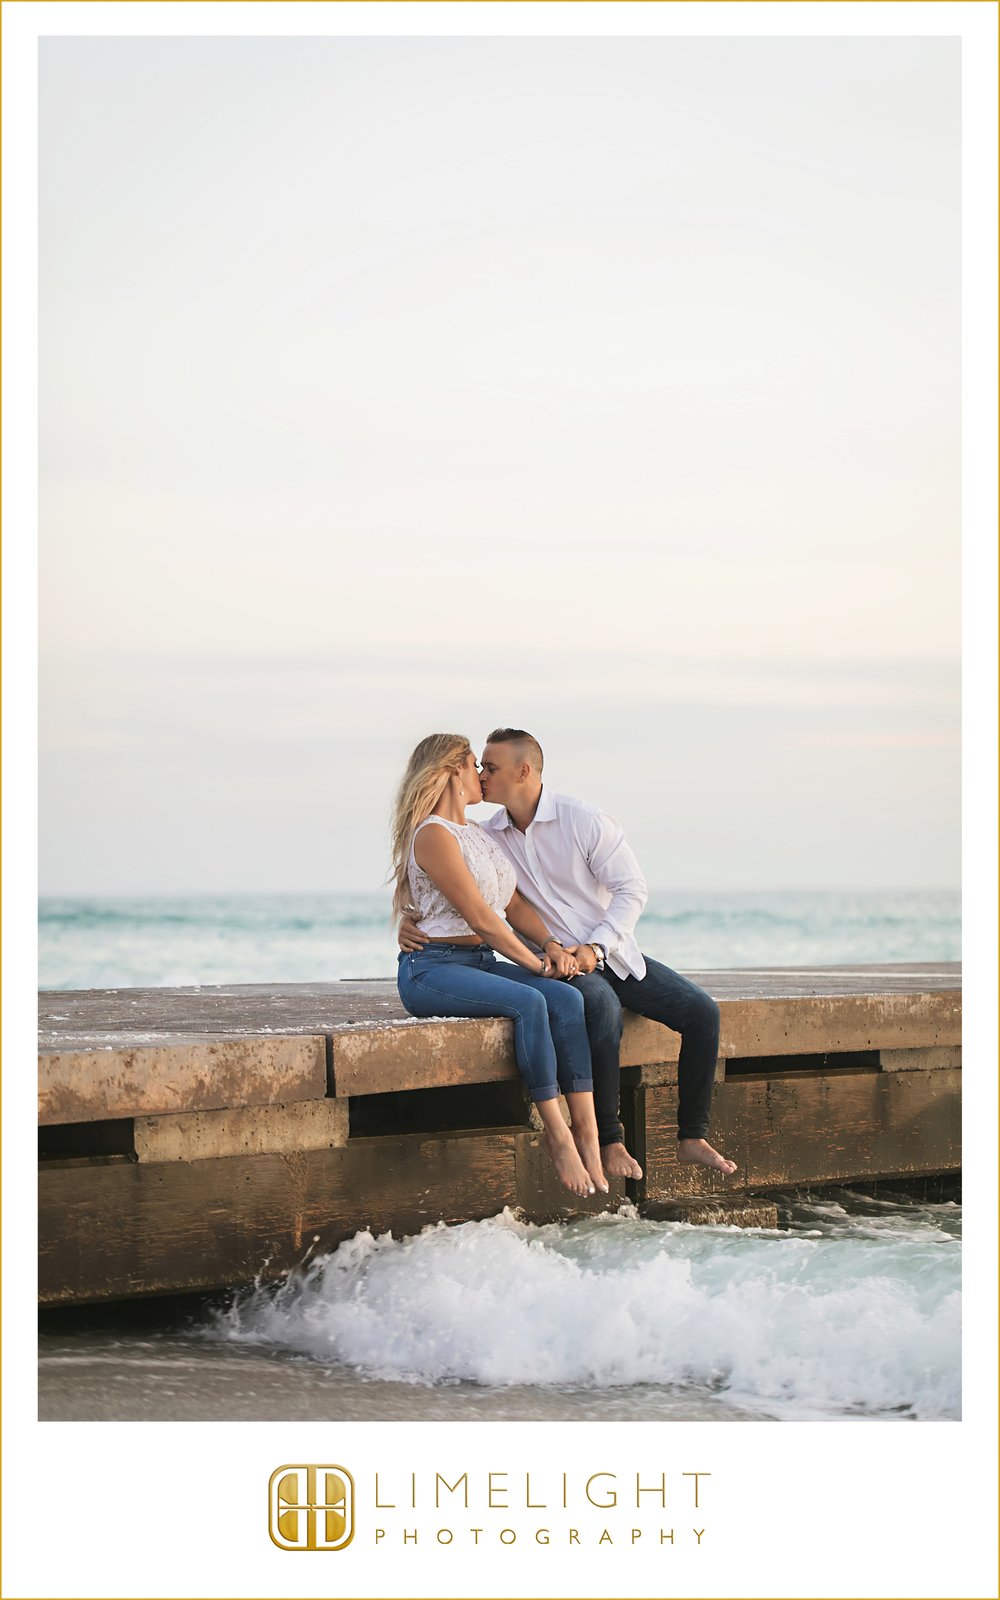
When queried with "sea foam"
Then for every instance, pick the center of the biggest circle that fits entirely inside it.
(858, 1317)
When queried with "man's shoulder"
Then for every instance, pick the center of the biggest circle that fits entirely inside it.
(569, 805)
(584, 822)
(496, 823)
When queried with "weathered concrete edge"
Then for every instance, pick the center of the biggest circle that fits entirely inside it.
(243, 1131)
(208, 1072)
(200, 1074)
(433, 1054)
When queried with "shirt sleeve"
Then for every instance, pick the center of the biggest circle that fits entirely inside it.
(615, 867)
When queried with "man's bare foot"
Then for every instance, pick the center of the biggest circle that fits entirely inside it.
(701, 1152)
(569, 1166)
(617, 1162)
(590, 1155)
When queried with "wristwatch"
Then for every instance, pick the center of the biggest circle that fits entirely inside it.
(601, 954)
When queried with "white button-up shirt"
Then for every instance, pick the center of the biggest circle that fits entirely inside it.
(574, 864)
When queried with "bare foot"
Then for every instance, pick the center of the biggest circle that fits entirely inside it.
(568, 1165)
(618, 1163)
(590, 1155)
(701, 1152)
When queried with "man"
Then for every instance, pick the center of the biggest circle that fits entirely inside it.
(573, 863)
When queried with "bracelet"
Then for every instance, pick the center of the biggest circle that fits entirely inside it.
(541, 969)
(547, 942)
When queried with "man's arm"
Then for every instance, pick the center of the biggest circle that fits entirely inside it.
(614, 866)
(409, 935)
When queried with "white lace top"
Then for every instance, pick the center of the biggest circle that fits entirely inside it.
(494, 875)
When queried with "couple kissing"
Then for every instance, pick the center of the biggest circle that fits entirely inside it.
(550, 883)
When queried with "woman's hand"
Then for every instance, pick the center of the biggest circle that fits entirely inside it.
(563, 963)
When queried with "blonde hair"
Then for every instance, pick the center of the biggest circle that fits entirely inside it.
(432, 763)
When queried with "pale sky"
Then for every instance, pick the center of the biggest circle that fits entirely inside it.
(604, 387)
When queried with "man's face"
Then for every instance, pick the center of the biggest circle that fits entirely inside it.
(501, 773)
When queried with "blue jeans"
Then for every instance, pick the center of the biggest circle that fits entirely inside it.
(679, 1004)
(550, 1035)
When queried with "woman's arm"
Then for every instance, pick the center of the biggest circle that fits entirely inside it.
(440, 856)
(522, 915)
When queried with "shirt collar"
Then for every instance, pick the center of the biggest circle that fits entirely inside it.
(546, 811)
(546, 806)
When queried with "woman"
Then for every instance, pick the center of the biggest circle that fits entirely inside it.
(463, 886)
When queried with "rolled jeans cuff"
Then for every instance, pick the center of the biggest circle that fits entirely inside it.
(553, 1091)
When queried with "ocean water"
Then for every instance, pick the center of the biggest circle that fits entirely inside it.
(846, 1309)
(140, 942)
(849, 1309)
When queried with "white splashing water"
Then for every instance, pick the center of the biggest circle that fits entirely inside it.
(839, 1315)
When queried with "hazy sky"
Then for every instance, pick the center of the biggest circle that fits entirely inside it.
(608, 387)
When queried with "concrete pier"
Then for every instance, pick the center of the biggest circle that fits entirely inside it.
(199, 1137)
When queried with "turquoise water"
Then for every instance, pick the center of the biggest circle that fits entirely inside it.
(122, 943)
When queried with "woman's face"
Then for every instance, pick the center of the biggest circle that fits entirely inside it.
(468, 775)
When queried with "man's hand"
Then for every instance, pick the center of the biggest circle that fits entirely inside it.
(410, 936)
(583, 955)
(563, 962)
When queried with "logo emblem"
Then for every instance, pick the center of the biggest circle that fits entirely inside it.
(311, 1507)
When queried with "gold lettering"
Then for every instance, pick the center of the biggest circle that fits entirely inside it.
(452, 1488)
(574, 1537)
(407, 1536)
(565, 1501)
(532, 1505)
(636, 1534)
(542, 1536)
(665, 1536)
(475, 1534)
(440, 1540)
(661, 1491)
(379, 1534)
(387, 1505)
(603, 1504)
(697, 1534)
(605, 1538)
(511, 1540)
(696, 1476)
(497, 1505)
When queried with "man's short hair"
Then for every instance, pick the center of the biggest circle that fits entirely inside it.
(531, 750)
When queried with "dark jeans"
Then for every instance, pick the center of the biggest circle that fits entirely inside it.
(679, 1004)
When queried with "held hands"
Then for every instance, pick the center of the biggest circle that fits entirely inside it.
(559, 963)
(583, 955)
(410, 936)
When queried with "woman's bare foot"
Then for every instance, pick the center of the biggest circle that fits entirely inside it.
(583, 1126)
(617, 1162)
(701, 1152)
(590, 1154)
(567, 1162)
